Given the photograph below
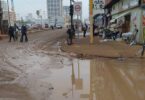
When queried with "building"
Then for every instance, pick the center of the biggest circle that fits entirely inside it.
(128, 13)
(98, 13)
(4, 16)
(107, 11)
(54, 11)
(66, 11)
(54, 7)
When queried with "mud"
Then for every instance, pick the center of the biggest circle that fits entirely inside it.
(38, 70)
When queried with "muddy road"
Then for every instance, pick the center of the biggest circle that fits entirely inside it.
(38, 70)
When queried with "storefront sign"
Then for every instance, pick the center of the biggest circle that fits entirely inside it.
(98, 4)
(134, 18)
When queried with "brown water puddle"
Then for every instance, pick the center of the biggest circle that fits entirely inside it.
(99, 80)
(59, 78)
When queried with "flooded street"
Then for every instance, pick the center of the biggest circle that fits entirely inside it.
(38, 70)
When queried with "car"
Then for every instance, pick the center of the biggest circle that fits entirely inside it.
(58, 26)
(36, 26)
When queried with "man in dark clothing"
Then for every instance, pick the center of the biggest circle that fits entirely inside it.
(85, 28)
(70, 36)
(24, 33)
(52, 27)
(11, 33)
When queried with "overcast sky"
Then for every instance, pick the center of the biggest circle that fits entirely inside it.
(23, 7)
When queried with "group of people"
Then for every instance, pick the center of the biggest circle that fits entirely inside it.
(71, 32)
(14, 30)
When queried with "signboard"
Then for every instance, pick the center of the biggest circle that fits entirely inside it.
(78, 8)
(134, 18)
(98, 4)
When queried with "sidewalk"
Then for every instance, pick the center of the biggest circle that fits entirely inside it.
(108, 49)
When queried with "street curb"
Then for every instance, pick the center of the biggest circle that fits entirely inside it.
(87, 56)
(90, 56)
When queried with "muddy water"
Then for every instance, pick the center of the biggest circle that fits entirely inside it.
(52, 77)
(73, 79)
(99, 80)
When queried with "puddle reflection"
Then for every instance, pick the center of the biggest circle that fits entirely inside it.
(99, 80)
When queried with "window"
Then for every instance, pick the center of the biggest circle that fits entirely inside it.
(134, 3)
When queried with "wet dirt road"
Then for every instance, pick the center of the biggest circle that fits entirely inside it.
(37, 70)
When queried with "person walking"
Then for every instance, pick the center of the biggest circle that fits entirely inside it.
(85, 28)
(70, 36)
(11, 33)
(16, 30)
(24, 33)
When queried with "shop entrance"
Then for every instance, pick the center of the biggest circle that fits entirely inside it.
(126, 24)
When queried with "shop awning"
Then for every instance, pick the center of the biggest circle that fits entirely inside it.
(119, 16)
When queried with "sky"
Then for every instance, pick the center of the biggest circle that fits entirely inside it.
(23, 7)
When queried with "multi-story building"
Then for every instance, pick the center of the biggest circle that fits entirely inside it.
(128, 14)
(54, 7)
(66, 11)
(4, 16)
(54, 11)
(98, 13)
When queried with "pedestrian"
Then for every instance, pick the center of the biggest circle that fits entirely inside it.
(76, 26)
(85, 28)
(52, 27)
(24, 33)
(69, 36)
(16, 30)
(11, 33)
(134, 36)
(115, 33)
(74, 31)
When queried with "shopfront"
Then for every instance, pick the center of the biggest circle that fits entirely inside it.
(127, 20)
(127, 14)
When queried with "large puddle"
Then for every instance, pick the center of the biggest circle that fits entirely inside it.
(99, 80)
(47, 77)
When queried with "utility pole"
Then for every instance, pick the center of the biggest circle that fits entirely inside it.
(71, 13)
(1, 16)
(9, 20)
(91, 22)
